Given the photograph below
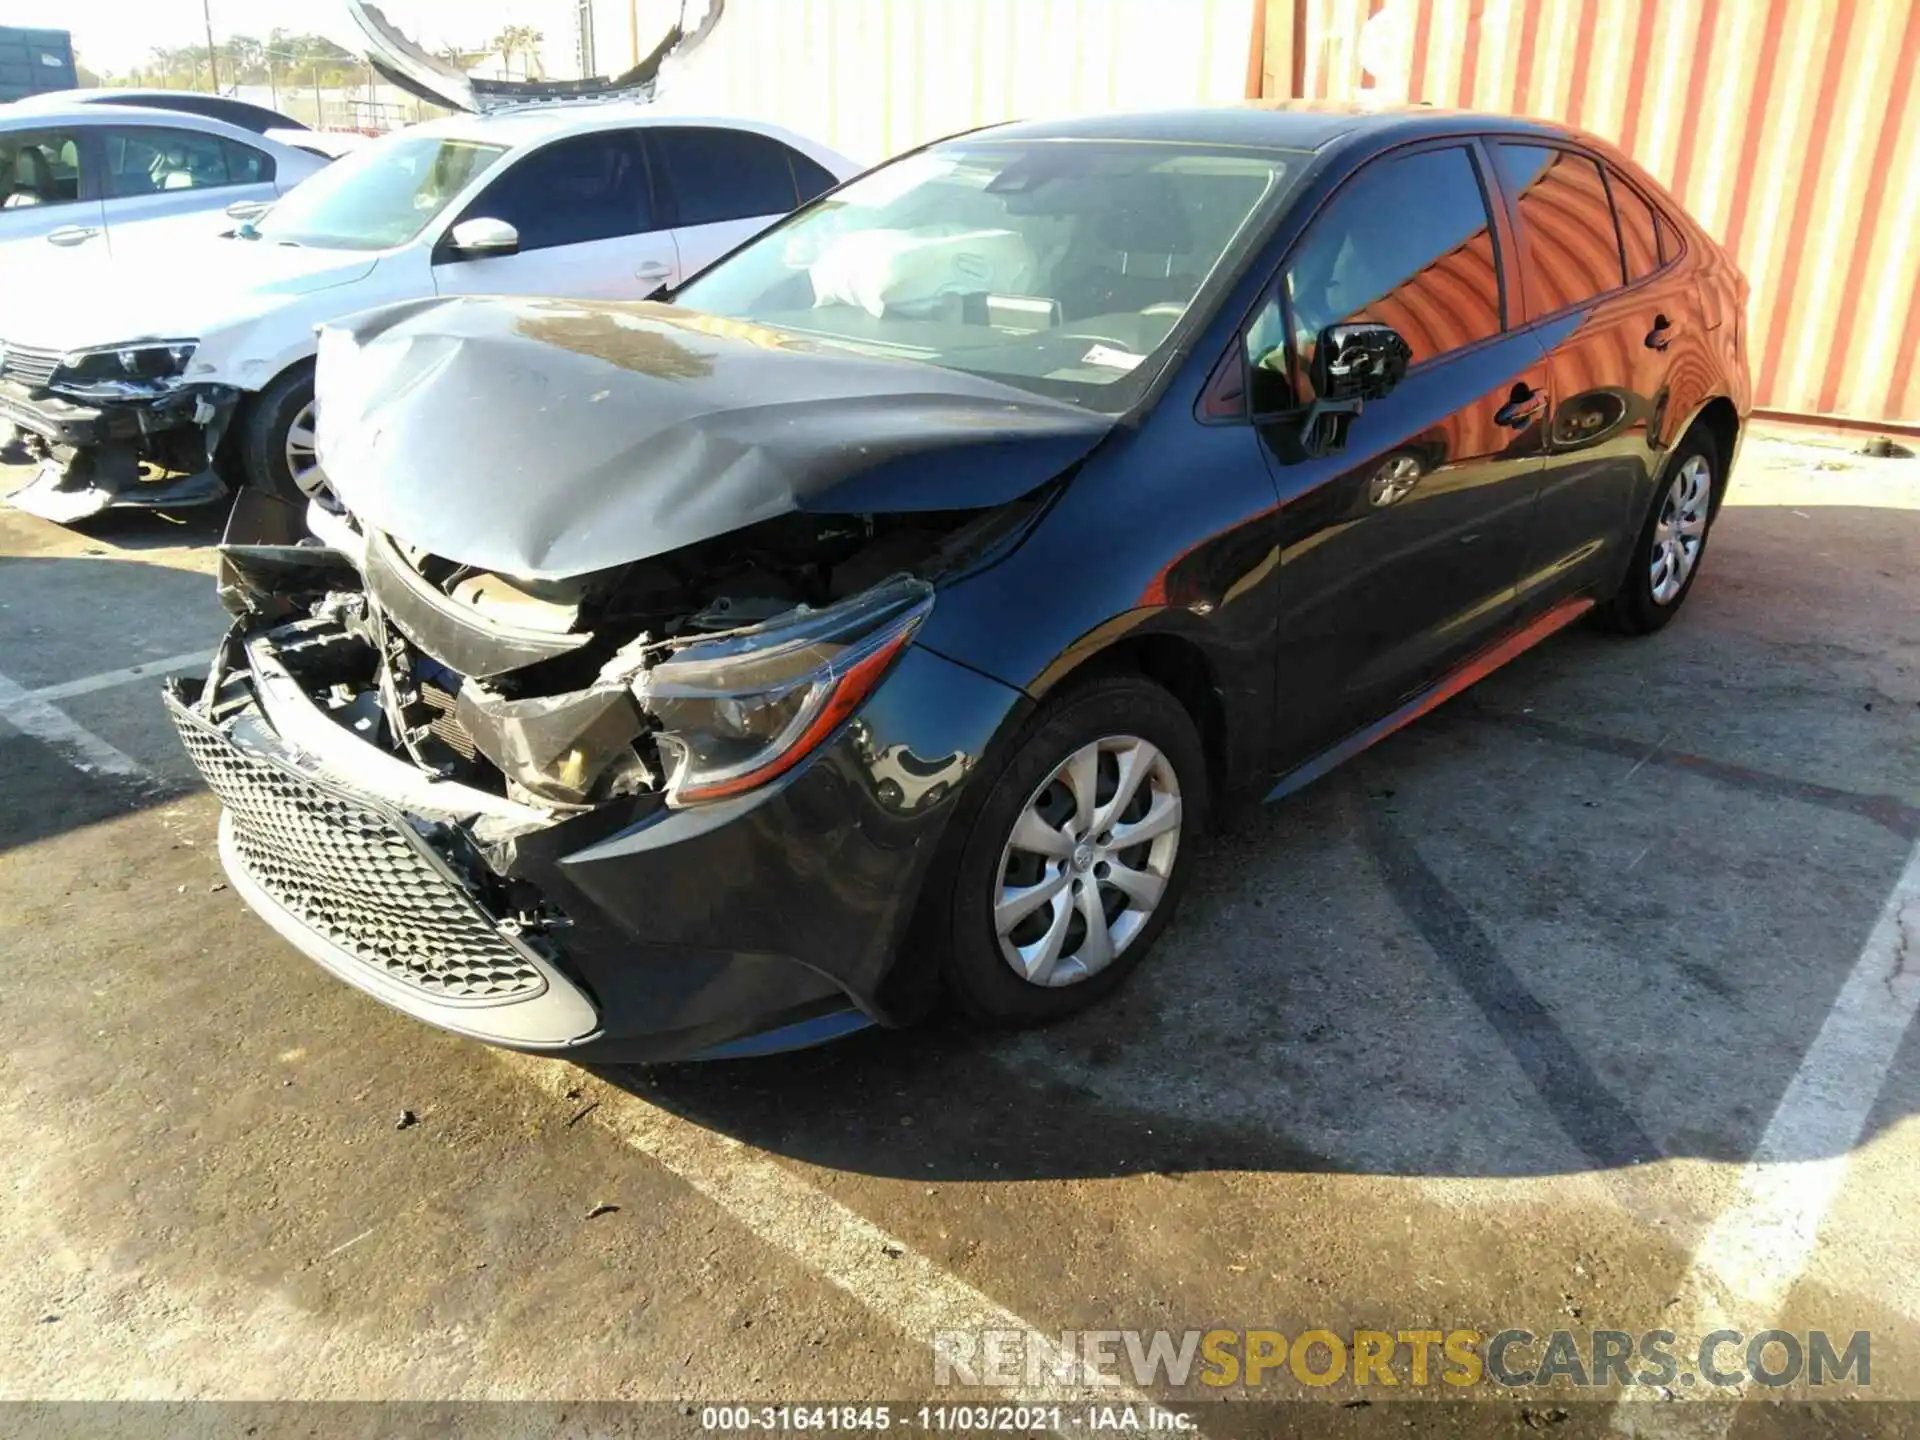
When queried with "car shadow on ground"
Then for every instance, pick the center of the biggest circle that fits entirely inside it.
(127, 528)
(158, 529)
(1590, 915)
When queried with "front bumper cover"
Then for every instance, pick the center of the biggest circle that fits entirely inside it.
(90, 454)
(631, 932)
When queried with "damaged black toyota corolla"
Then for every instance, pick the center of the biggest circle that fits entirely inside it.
(884, 615)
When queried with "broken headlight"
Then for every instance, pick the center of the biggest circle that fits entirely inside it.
(122, 372)
(738, 710)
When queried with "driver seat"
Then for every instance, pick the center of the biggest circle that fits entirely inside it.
(1148, 228)
(32, 178)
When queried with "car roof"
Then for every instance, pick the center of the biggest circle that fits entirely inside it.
(1272, 125)
(529, 124)
(186, 101)
(80, 116)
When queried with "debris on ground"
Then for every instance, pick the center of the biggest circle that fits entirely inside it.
(406, 1121)
(601, 1209)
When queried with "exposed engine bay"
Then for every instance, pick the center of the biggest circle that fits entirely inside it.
(687, 669)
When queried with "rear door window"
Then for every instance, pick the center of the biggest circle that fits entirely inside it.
(589, 187)
(1436, 282)
(39, 167)
(726, 174)
(1639, 235)
(1566, 225)
(153, 160)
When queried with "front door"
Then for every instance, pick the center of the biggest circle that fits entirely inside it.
(50, 206)
(584, 210)
(1400, 551)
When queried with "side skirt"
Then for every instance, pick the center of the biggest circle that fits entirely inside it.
(1477, 668)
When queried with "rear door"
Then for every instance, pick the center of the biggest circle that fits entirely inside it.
(728, 186)
(1402, 550)
(1613, 311)
(156, 176)
(50, 196)
(588, 222)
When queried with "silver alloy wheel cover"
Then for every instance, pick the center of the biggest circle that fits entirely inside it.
(303, 459)
(1081, 862)
(1681, 529)
(1394, 481)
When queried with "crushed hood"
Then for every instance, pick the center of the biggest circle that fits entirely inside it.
(548, 438)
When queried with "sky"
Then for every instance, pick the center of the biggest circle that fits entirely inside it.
(113, 36)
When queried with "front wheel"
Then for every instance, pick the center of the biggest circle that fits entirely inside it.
(276, 441)
(1672, 543)
(1078, 854)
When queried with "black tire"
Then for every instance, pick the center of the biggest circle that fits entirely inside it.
(978, 977)
(263, 432)
(1633, 608)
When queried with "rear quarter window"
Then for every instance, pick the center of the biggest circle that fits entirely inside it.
(1639, 231)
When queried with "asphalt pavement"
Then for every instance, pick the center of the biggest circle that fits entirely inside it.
(1581, 1005)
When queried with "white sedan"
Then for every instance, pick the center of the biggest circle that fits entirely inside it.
(210, 355)
(83, 183)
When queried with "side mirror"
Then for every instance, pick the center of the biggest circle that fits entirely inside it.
(1352, 363)
(480, 237)
(1359, 361)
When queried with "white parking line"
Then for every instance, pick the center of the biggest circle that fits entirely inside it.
(896, 1282)
(33, 715)
(1760, 1244)
(199, 659)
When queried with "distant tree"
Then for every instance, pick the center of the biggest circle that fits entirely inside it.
(244, 59)
(305, 61)
(519, 40)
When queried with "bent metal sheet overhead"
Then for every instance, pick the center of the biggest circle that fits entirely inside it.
(1789, 128)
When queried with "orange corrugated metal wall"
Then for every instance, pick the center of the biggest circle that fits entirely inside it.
(1789, 128)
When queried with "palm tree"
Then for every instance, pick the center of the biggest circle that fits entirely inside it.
(521, 40)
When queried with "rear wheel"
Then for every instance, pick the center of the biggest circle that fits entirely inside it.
(1078, 854)
(1673, 542)
(276, 441)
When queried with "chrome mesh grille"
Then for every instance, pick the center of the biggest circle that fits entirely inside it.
(27, 366)
(352, 874)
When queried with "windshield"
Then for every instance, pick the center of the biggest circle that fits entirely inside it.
(378, 197)
(1058, 266)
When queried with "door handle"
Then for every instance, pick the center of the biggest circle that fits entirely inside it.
(1524, 406)
(72, 234)
(652, 270)
(1661, 335)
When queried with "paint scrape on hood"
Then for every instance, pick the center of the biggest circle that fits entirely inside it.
(548, 439)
